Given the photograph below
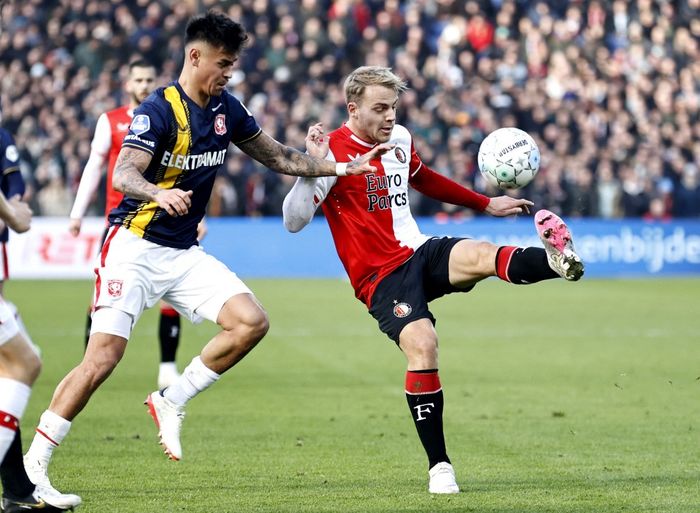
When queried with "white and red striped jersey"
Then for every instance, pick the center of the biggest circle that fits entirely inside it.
(112, 127)
(369, 215)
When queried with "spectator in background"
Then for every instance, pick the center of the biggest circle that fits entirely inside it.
(592, 81)
(686, 197)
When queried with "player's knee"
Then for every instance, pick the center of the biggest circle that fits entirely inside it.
(33, 366)
(30, 367)
(257, 325)
(245, 320)
(485, 253)
(419, 343)
(423, 349)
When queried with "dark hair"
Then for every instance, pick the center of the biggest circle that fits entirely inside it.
(218, 30)
(140, 63)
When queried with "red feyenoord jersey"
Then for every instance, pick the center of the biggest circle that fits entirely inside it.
(369, 216)
(119, 121)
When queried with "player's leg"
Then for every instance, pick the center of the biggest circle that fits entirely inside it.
(400, 306)
(19, 368)
(244, 323)
(20, 494)
(472, 261)
(169, 338)
(419, 343)
(72, 394)
(209, 290)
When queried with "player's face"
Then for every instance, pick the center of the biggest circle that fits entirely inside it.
(214, 68)
(373, 117)
(141, 83)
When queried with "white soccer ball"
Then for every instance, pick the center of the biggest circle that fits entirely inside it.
(509, 158)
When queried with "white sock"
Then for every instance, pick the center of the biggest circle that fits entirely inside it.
(169, 367)
(50, 432)
(14, 397)
(196, 378)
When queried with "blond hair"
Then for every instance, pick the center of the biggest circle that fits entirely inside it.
(364, 76)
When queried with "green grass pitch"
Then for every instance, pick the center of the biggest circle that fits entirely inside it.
(558, 398)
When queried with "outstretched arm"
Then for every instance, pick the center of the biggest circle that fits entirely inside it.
(128, 178)
(289, 161)
(441, 188)
(90, 179)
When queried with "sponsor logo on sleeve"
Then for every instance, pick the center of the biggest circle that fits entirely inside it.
(140, 124)
(137, 139)
(11, 153)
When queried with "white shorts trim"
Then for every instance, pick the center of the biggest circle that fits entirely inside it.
(112, 322)
(134, 274)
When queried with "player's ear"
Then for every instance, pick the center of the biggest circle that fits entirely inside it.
(194, 55)
(352, 109)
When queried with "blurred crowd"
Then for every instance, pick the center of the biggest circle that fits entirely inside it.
(609, 89)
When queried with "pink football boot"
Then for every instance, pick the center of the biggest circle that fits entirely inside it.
(556, 238)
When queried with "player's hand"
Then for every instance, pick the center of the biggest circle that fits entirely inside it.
(21, 218)
(202, 230)
(316, 142)
(362, 165)
(503, 206)
(175, 202)
(74, 227)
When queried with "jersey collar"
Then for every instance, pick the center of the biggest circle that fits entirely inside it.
(349, 133)
(213, 100)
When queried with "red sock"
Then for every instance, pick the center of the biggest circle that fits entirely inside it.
(523, 265)
(425, 400)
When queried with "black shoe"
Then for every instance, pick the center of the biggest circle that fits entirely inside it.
(29, 503)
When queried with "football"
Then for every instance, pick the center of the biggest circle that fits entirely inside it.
(509, 158)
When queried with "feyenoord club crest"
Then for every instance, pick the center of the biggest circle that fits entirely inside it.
(114, 287)
(400, 155)
(220, 124)
(401, 310)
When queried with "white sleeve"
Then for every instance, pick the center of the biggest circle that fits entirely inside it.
(300, 203)
(90, 178)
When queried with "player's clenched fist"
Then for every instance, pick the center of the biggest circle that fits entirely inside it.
(175, 202)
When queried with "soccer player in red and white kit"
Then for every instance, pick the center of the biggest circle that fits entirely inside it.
(111, 128)
(394, 268)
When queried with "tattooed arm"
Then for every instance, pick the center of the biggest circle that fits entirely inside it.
(128, 179)
(288, 161)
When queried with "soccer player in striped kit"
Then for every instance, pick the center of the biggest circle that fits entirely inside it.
(176, 144)
(394, 268)
(111, 128)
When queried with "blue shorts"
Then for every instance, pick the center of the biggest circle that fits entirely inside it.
(403, 296)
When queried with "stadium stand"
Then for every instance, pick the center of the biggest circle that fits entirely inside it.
(609, 89)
